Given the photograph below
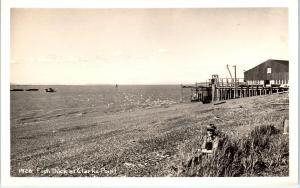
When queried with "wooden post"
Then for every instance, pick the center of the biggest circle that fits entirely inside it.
(213, 90)
(221, 93)
(248, 93)
(223, 98)
(202, 95)
(256, 91)
(286, 126)
(235, 87)
(227, 94)
(241, 92)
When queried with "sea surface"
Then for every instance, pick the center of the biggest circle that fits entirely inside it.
(32, 106)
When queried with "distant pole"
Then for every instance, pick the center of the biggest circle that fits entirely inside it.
(181, 99)
(235, 86)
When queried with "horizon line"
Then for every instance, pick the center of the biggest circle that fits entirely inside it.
(97, 84)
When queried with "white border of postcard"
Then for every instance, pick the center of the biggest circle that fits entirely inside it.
(6, 180)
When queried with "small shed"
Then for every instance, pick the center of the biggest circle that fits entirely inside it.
(269, 72)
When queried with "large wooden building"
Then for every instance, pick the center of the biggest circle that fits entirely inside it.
(269, 72)
(271, 76)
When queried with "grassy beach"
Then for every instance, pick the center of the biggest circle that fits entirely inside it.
(157, 141)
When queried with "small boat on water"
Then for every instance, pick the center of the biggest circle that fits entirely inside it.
(32, 89)
(50, 90)
(17, 90)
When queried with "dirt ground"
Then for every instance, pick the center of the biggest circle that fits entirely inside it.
(138, 143)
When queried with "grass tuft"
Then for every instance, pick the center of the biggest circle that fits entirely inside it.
(264, 152)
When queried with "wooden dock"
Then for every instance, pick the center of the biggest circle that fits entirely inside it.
(225, 89)
(225, 93)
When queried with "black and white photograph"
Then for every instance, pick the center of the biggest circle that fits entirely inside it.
(150, 92)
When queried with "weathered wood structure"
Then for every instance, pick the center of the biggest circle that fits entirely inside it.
(269, 72)
(200, 92)
(258, 81)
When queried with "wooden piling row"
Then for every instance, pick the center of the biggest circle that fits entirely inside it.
(226, 93)
(219, 92)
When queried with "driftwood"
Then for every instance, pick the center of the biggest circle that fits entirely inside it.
(219, 102)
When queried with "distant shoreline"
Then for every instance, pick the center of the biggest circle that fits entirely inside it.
(95, 85)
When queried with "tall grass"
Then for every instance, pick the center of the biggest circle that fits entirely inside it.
(264, 152)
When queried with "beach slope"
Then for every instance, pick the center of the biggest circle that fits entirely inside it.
(143, 142)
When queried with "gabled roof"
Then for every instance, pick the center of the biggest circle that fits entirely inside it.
(270, 61)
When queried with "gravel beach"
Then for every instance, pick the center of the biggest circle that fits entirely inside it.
(142, 142)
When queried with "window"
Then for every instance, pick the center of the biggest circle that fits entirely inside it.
(269, 70)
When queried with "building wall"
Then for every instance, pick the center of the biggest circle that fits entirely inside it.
(255, 82)
(279, 71)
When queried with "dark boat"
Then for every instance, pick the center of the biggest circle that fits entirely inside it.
(17, 90)
(32, 89)
(50, 90)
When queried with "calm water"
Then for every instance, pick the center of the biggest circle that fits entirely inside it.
(28, 106)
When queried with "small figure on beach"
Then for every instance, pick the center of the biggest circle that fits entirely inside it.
(50, 90)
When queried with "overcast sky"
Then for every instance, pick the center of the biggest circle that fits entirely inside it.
(142, 46)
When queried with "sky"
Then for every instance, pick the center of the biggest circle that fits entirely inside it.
(142, 46)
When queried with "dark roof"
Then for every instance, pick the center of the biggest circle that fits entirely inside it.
(269, 61)
(280, 71)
